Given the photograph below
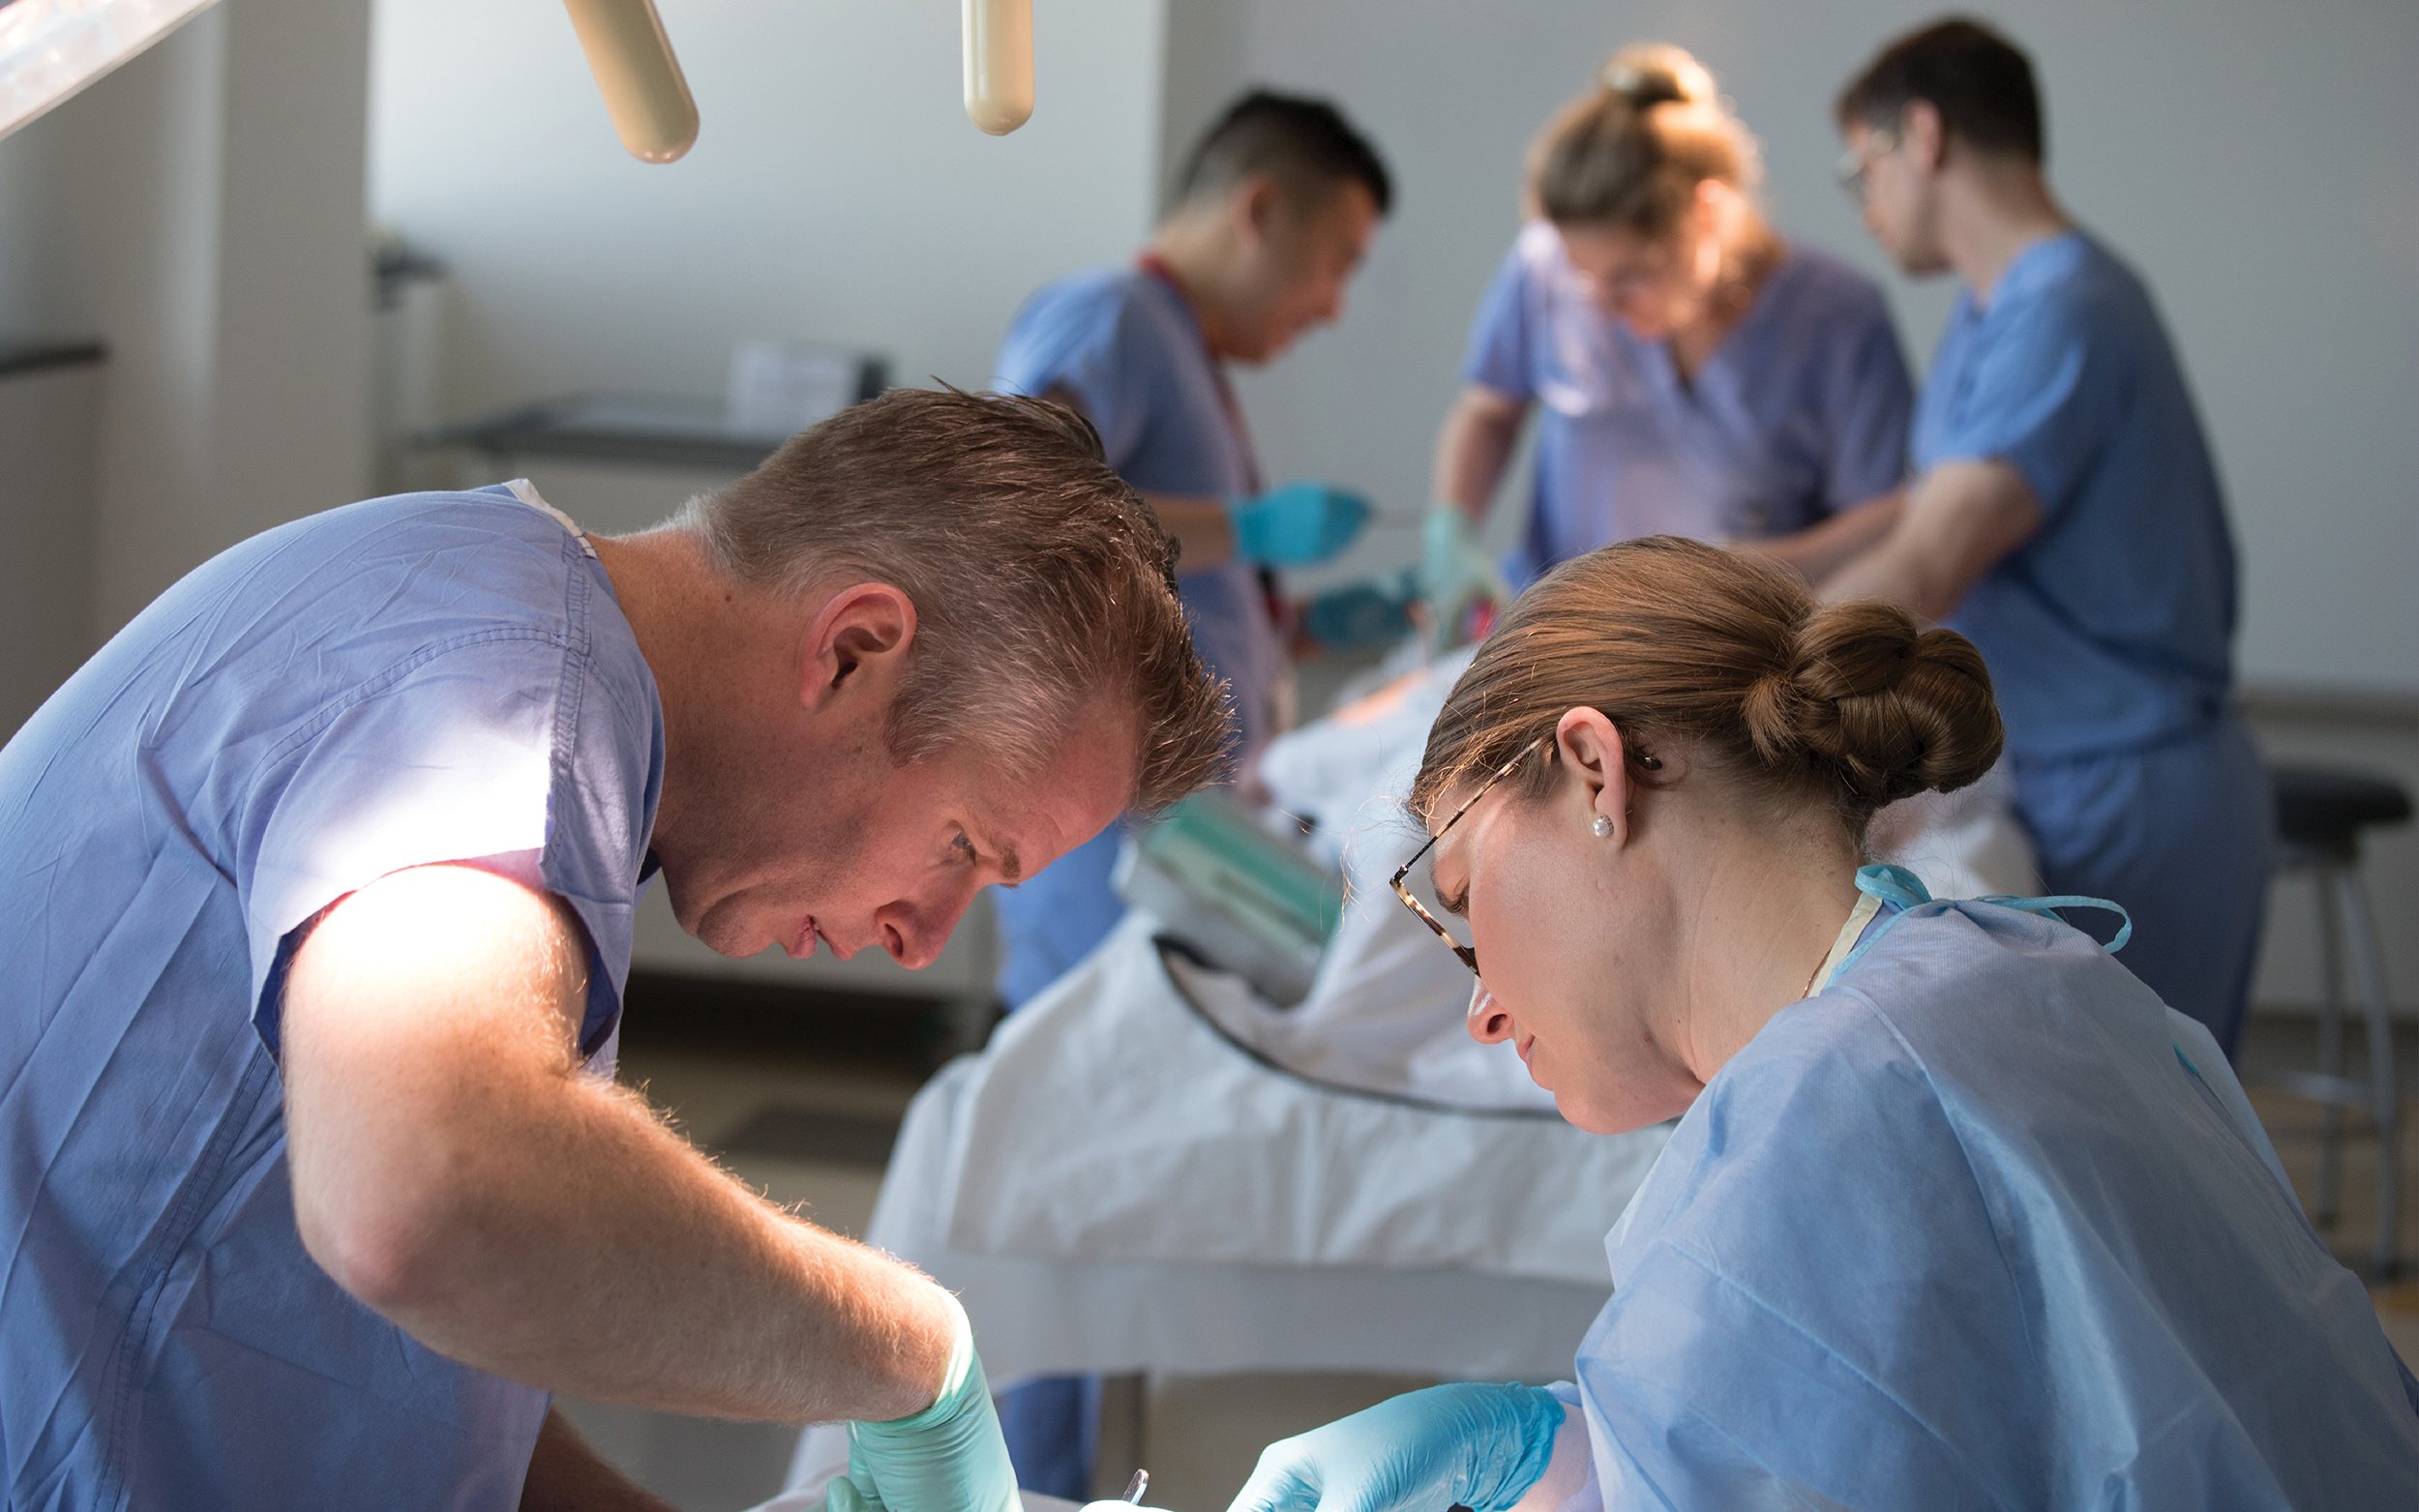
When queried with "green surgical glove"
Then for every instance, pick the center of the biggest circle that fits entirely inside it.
(947, 1458)
(1455, 575)
(1470, 1445)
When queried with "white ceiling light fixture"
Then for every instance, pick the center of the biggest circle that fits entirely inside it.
(645, 91)
(49, 50)
(999, 64)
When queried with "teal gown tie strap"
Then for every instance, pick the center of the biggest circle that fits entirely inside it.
(1895, 884)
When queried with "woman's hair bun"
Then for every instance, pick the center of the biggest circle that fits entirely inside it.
(1650, 74)
(1889, 707)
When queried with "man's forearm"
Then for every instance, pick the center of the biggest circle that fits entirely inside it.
(1200, 526)
(1960, 519)
(1821, 549)
(720, 1304)
(453, 1169)
(1473, 448)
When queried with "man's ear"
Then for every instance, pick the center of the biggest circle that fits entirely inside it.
(855, 643)
(1255, 205)
(1925, 134)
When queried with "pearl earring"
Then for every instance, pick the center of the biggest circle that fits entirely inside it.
(1603, 825)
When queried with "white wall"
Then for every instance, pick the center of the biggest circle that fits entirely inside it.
(200, 211)
(836, 191)
(2253, 160)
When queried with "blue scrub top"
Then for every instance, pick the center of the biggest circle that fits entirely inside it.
(2110, 629)
(1985, 1224)
(1127, 348)
(425, 678)
(1801, 412)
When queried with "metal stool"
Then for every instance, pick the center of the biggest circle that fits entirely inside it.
(2320, 812)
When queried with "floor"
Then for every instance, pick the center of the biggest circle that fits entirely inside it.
(801, 1107)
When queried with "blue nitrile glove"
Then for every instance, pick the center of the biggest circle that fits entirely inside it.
(1479, 1446)
(1456, 573)
(1297, 524)
(1364, 614)
(947, 1458)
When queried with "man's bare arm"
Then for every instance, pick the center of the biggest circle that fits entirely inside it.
(1961, 519)
(1821, 549)
(1473, 446)
(454, 1170)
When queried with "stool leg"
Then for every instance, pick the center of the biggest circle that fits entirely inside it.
(2384, 1091)
(2330, 1044)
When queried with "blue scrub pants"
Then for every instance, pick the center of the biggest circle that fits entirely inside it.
(1047, 924)
(1057, 916)
(2181, 835)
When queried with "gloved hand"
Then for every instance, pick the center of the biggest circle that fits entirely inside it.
(1456, 573)
(947, 1458)
(1297, 524)
(1480, 1446)
(1362, 615)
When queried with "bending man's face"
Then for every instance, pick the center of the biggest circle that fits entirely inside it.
(882, 857)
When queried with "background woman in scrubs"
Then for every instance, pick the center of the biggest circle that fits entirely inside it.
(1957, 1213)
(1700, 374)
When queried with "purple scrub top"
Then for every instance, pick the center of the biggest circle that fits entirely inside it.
(1801, 412)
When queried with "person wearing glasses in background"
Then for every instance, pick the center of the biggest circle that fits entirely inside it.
(1956, 1214)
(1699, 373)
(2066, 516)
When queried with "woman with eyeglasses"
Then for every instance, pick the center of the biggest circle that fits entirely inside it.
(1957, 1213)
(1699, 374)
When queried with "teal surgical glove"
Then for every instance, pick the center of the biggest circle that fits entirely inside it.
(1479, 1446)
(947, 1458)
(1365, 616)
(1455, 575)
(1297, 524)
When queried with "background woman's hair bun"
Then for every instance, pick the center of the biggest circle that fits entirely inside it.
(1652, 73)
(1889, 707)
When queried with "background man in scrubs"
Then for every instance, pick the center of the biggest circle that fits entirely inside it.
(1272, 214)
(2067, 517)
(318, 893)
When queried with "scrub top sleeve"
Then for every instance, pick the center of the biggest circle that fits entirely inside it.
(446, 760)
(1872, 401)
(1096, 362)
(1501, 355)
(2045, 397)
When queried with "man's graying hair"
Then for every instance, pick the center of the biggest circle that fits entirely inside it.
(1041, 581)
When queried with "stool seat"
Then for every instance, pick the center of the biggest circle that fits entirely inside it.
(2324, 808)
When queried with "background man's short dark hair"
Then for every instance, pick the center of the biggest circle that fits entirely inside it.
(1288, 137)
(1979, 82)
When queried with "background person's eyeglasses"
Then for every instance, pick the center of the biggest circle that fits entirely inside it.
(1855, 172)
(1466, 950)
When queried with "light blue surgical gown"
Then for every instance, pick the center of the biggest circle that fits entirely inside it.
(1801, 412)
(2108, 634)
(1983, 1225)
(425, 678)
(1127, 348)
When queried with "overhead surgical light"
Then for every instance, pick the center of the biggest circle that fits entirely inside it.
(645, 91)
(999, 64)
(51, 48)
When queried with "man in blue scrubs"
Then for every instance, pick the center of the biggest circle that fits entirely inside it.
(1272, 214)
(2067, 517)
(315, 914)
